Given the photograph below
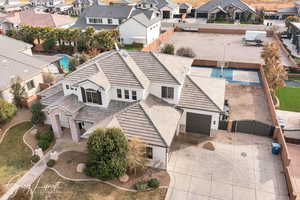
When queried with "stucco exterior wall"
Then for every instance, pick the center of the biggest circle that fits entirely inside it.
(160, 157)
(155, 89)
(131, 30)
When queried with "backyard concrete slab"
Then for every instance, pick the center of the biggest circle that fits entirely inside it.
(294, 151)
(233, 171)
(211, 46)
(251, 97)
(292, 119)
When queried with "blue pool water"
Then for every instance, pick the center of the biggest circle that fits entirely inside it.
(228, 75)
(64, 61)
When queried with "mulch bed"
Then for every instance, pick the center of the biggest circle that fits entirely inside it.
(68, 161)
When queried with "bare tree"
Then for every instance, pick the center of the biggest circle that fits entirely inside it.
(275, 72)
(136, 155)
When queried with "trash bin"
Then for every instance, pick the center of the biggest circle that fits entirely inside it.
(276, 148)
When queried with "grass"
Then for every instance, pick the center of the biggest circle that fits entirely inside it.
(15, 155)
(132, 47)
(68, 190)
(294, 78)
(289, 99)
(223, 21)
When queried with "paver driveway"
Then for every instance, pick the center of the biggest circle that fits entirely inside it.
(240, 168)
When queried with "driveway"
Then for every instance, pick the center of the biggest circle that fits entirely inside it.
(240, 167)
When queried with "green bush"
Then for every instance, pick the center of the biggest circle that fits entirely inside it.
(168, 49)
(37, 114)
(185, 52)
(45, 139)
(51, 163)
(7, 111)
(141, 186)
(153, 183)
(107, 150)
(49, 44)
(35, 158)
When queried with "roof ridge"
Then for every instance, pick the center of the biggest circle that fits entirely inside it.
(149, 118)
(178, 82)
(189, 77)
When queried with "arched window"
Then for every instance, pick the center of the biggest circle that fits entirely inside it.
(91, 96)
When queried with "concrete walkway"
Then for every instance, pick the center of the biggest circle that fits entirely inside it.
(62, 145)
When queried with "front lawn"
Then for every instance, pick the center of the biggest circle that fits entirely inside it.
(15, 155)
(289, 99)
(67, 190)
(223, 21)
(133, 47)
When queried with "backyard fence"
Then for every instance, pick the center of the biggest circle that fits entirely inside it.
(156, 43)
(253, 127)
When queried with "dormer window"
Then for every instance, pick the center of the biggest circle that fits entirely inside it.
(167, 92)
(133, 95)
(126, 94)
(91, 96)
(109, 21)
(119, 93)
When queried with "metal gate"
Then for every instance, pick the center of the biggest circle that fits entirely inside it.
(253, 127)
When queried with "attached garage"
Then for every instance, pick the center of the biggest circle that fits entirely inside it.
(198, 123)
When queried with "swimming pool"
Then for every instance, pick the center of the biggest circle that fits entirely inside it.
(64, 61)
(232, 75)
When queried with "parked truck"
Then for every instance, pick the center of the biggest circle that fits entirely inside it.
(255, 38)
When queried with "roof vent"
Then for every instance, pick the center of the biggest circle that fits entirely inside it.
(25, 70)
(124, 53)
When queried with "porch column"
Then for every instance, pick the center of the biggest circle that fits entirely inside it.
(75, 132)
(55, 123)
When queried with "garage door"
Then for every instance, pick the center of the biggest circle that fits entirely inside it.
(202, 15)
(198, 123)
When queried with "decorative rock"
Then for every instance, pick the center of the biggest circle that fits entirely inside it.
(124, 178)
(39, 152)
(80, 167)
(209, 146)
(54, 155)
(33, 131)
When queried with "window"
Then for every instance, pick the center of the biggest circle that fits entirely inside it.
(67, 87)
(149, 152)
(119, 93)
(91, 96)
(133, 93)
(126, 94)
(109, 21)
(30, 85)
(167, 92)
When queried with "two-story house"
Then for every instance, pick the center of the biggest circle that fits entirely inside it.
(148, 95)
(79, 6)
(46, 3)
(167, 8)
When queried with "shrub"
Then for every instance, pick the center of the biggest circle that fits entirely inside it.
(73, 64)
(141, 186)
(7, 111)
(37, 114)
(44, 139)
(153, 183)
(35, 158)
(49, 44)
(51, 163)
(168, 49)
(185, 52)
(107, 154)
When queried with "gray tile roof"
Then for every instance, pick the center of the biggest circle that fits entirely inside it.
(119, 70)
(69, 104)
(224, 3)
(142, 19)
(115, 11)
(153, 68)
(13, 62)
(288, 10)
(50, 95)
(203, 93)
(185, 6)
(148, 12)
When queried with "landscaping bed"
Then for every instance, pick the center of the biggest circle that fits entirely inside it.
(68, 161)
(289, 99)
(15, 155)
(67, 190)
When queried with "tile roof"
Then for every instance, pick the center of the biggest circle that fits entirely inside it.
(148, 12)
(185, 5)
(212, 4)
(288, 10)
(203, 93)
(153, 68)
(115, 11)
(143, 19)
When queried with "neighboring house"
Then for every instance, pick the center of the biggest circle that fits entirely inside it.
(167, 8)
(293, 33)
(111, 16)
(41, 19)
(139, 29)
(79, 6)
(290, 11)
(185, 8)
(46, 3)
(16, 60)
(146, 94)
(226, 9)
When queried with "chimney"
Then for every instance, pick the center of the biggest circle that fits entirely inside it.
(116, 47)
